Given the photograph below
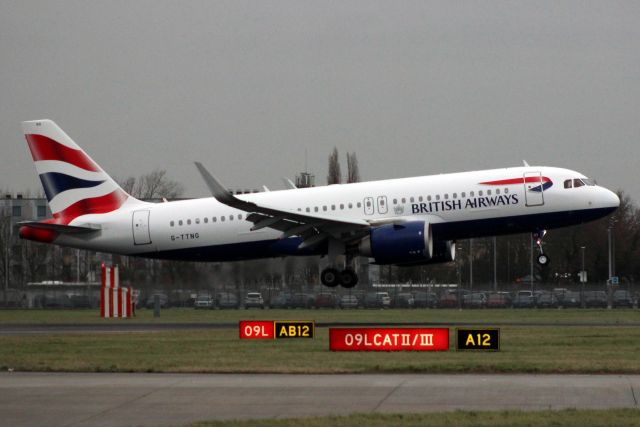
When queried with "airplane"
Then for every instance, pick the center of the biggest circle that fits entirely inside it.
(405, 222)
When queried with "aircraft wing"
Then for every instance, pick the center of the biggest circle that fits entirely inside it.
(314, 229)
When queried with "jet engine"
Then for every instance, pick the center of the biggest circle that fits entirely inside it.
(410, 242)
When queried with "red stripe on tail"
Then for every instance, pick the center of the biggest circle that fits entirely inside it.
(43, 148)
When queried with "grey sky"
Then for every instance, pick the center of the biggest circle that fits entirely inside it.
(413, 87)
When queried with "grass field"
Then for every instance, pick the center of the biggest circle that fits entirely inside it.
(569, 417)
(540, 349)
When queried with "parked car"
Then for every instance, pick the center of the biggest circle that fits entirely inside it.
(425, 300)
(281, 301)
(227, 300)
(82, 301)
(203, 301)
(498, 300)
(349, 301)
(377, 300)
(595, 299)
(403, 300)
(302, 301)
(622, 298)
(569, 299)
(253, 300)
(326, 300)
(546, 300)
(474, 300)
(523, 300)
(57, 301)
(448, 300)
(164, 300)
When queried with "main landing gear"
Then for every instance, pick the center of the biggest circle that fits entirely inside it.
(538, 236)
(333, 277)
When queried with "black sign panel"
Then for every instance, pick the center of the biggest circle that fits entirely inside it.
(478, 339)
(294, 329)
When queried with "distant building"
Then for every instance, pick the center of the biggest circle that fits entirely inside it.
(305, 180)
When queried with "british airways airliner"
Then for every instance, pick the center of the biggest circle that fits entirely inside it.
(408, 221)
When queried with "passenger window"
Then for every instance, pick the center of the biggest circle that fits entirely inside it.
(324, 208)
(308, 210)
(171, 223)
(488, 192)
(359, 205)
(404, 200)
(568, 183)
(197, 220)
(239, 216)
(315, 209)
(180, 222)
(411, 200)
(341, 206)
(446, 196)
(188, 222)
(577, 183)
(420, 198)
(206, 220)
(506, 191)
(455, 195)
(230, 217)
(428, 198)
(350, 205)
(395, 201)
(437, 197)
(333, 207)
(480, 193)
(497, 191)
(463, 195)
(222, 218)
(214, 219)
(471, 193)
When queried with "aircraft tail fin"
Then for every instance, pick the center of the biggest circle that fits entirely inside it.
(73, 183)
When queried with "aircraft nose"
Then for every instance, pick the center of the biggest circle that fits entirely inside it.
(611, 199)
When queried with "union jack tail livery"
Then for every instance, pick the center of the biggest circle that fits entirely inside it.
(73, 183)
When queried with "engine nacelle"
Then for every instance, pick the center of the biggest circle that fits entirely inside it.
(411, 242)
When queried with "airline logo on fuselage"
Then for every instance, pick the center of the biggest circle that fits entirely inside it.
(470, 203)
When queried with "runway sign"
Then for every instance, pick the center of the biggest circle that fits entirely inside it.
(388, 339)
(270, 329)
(487, 339)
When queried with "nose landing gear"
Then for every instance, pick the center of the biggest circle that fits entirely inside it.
(538, 236)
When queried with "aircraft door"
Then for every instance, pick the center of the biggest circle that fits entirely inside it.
(368, 205)
(141, 233)
(382, 205)
(533, 189)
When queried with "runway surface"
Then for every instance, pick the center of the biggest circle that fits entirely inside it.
(70, 328)
(91, 399)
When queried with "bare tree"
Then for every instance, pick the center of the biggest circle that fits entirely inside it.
(353, 173)
(334, 176)
(153, 185)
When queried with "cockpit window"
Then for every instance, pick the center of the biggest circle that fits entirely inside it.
(568, 183)
(577, 183)
(589, 182)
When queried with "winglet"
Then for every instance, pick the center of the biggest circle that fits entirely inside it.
(525, 163)
(289, 184)
(217, 190)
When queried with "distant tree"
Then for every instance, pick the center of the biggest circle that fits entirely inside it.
(153, 185)
(334, 176)
(353, 173)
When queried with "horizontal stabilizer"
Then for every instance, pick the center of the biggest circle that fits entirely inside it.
(60, 228)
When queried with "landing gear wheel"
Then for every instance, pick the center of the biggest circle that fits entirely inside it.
(348, 278)
(543, 259)
(330, 277)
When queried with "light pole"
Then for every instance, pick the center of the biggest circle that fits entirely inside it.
(471, 264)
(611, 243)
(531, 272)
(582, 278)
(495, 264)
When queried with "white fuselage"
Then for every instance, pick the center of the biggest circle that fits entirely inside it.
(458, 206)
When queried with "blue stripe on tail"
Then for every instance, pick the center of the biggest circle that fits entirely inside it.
(55, 183)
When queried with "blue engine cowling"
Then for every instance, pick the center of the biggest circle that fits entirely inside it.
(410, 242)
(443, 251)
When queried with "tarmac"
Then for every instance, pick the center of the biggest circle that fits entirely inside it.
(122, 399)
